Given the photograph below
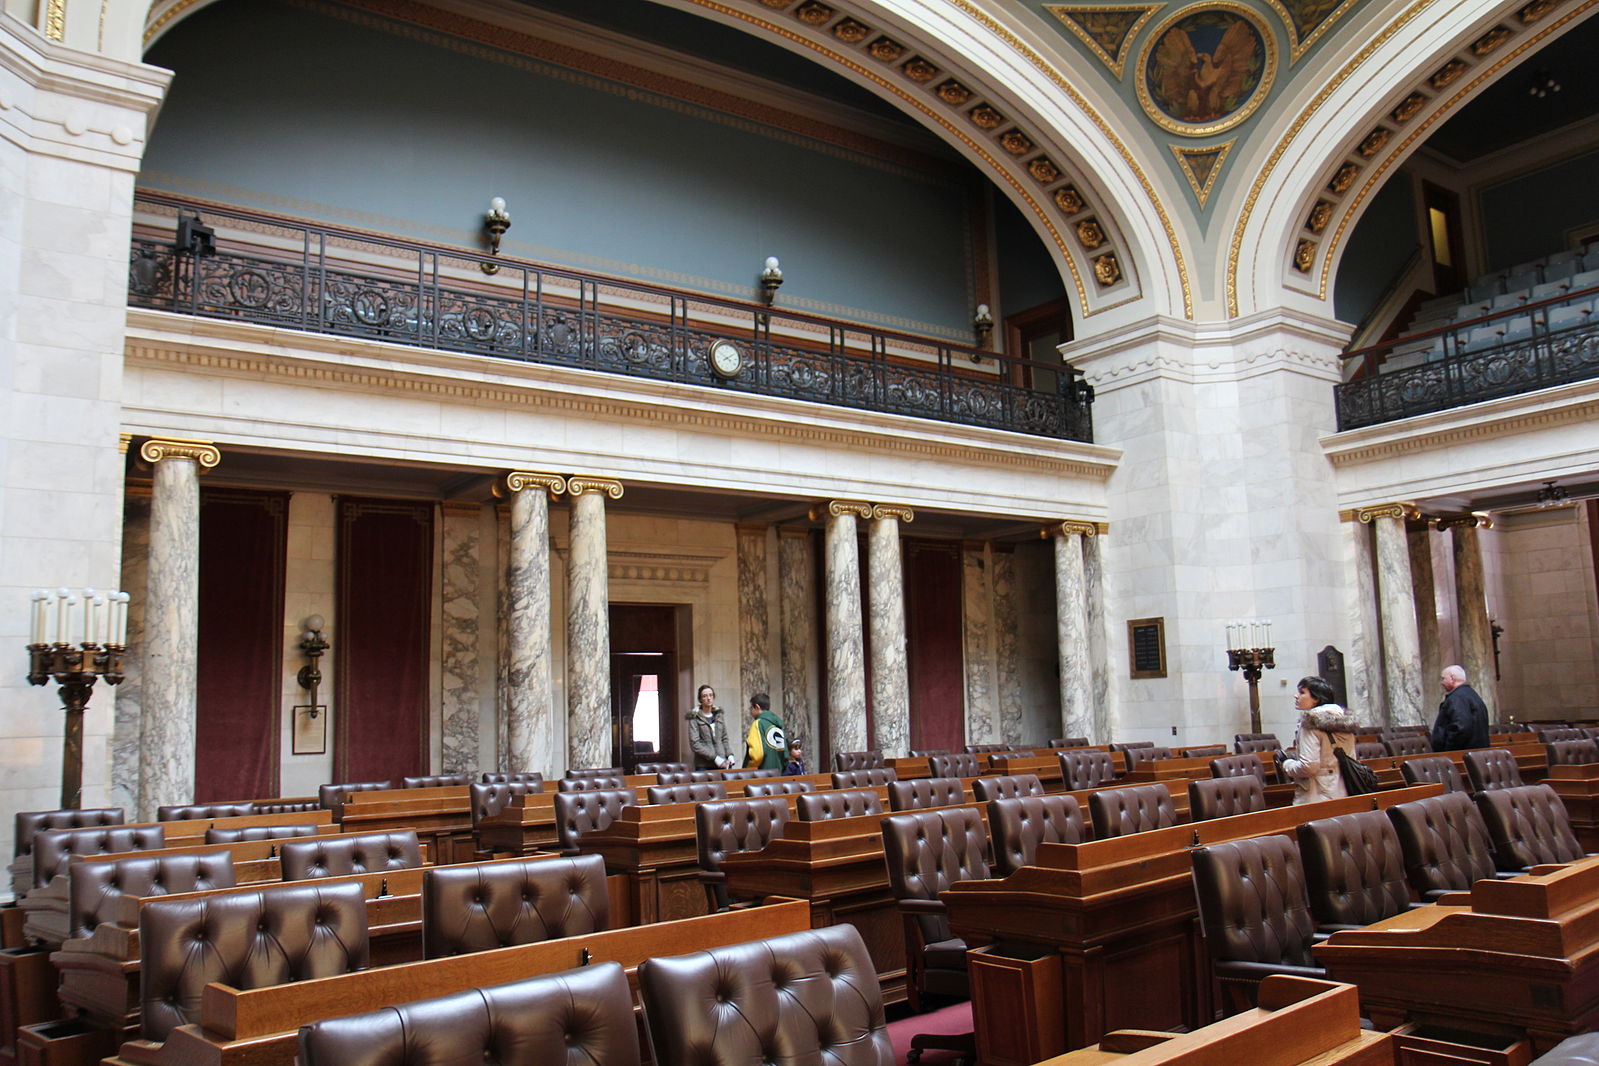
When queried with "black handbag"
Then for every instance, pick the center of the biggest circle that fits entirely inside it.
(1359, 779)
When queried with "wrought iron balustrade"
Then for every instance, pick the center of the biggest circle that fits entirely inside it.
(1512, 351)
(426, 296)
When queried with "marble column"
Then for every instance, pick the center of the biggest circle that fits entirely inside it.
(1419, 543)
(1104, 717)
(1396, 602)
(1071, 629)
(846, 653)
(532, 736)
(460, 660)
(891, 686)
(171, 623)
(977, 643)
(1363, 671)
(1471, 609)
(797, 606)
(754, 634)
(588, 625)
(1007, 650)
(127, 721)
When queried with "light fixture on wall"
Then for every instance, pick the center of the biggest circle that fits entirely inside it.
(1543, 85)
(195, 237)
(1552, 495)
(496, 220)
(771, 278)
(983, 326)
(313, 643)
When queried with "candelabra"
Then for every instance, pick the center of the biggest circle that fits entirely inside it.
(1249, 649)
(103, 623)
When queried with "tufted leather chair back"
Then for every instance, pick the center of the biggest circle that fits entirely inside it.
(1406, 744)
(749, 775)
(1020, 823)
(1136, 757)
(1253, 903)
(1069, 742)
(495, 905)
(594, 771)
(1508, 727)
(246, 940)
(53, 848)
(1238, 737)
(1492, 768)
(992, 759)
(28, 823)
(964, 764)
(1443, 841)
(1253, 747)
(857, 760)
(841, 803)
(502, 777)
(1238, 766)
(608, 783)
(1371, 730)
(286, 806)
(756, 789)
(1354, 868)
(663, 768)
(1223, 797)
(732, 826)
(1207, 751)
(1436, 771)
(686, 777)
(1411, 730)
(1118, 812)
(1572, 752)
(489, 800)
(331, 797)
(925, 792)
(1370, 749)
(810, 998)
(223, 835)
(993, 788)
(927, 851)
(984, 749)
(928, 753)
(97, 886)
(1553, 734)
(865, 778)
(698, 792)
(436, 780)
(1086, 769)
(577, 1016)
(358, 853)
(577, 813)
(1528, 825)
(181, 812)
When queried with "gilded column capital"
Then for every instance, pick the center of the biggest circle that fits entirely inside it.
(577, 486)
(519, 480)
(123, 441)
(202, 452)
(893, 510)
(1464, 521)
(1073, 526)
(1387, 510)
(837, 508)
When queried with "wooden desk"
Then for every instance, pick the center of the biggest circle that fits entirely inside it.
(656, 847)
(442, 818)
(1578, 789)
(1113, 923)
(1531, 760)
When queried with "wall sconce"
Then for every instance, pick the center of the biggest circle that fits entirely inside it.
(495, 222)
(771, 278)
(313, 643)
(1552, 495)
(1543, 85)
(983, 326)
(195, 237)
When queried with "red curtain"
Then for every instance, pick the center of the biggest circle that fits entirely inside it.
(243, 538)
(381, 639)
(934, 654)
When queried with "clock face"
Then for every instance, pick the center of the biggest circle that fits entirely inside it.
(726, 359)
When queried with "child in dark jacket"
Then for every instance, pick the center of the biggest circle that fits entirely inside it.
(796, 760)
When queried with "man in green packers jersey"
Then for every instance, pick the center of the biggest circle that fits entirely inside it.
(766, 740)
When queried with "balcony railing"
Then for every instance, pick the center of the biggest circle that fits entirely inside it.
(1512, 351)
(282, 273)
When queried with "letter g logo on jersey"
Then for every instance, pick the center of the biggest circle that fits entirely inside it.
(775, 740)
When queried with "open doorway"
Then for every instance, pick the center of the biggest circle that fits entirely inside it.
(645, 686)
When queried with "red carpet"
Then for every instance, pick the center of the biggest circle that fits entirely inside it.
(954, 1019)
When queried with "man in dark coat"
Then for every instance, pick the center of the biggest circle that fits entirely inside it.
(1462, 716)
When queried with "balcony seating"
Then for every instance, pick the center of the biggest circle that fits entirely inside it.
(1444, 843)
(993, 788)
(730, 826)
(1118, 812)
(357, 853)
(1354, 869)
(577, 813)
(1019, 824)
(495, 905)
(925, 792)
(1492, 768)
(839, 803)
(865, 777)
(698, 792)
(1438, 771)
(1528, 826)
(1223, 797)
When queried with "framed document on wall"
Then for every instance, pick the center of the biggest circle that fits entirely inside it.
(310, 729)
(1146, 647)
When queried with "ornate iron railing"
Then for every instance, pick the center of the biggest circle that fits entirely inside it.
(1512, 351)
(325, 280)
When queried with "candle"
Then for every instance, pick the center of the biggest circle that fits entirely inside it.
(36, 628)
(89, 598)
(1268, 634)
(64, 601)
(100, 631)
(122, 619)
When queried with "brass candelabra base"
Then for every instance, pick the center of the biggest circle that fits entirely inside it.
(1252, 661)
(75, 668)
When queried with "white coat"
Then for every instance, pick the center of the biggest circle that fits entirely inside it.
(1314, 769)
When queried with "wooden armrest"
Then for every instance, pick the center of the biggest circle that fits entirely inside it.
(922, 906)
(1129, 1041)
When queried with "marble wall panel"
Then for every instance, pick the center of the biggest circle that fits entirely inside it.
(461, 639)
(1007, 652)
(755, 668)
(797, 592)
(977, 616)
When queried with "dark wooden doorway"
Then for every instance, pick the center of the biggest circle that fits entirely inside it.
(1037, 334)
(645, 682)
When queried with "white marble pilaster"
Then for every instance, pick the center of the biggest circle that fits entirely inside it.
(127, 723)
(1419, 543)
(891, 690)
(531, 733)
(846, 653)
(1007, 653)
(977, 638)
(1471, 608)
(588, 626)
(754, 638)
(1071, 614)
(1363, 659)
(460, 661)
(498, 754)
(797, 601)
(1401, 643)
(172, 623)
(1104, 717)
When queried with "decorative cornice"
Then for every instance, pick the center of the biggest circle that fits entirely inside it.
(839, 508)
(517, 480)
(893, 510)
(1386, 510)
(750, 529)
(460, 509)
(1072, 527)
(577, 486)
(202, 452)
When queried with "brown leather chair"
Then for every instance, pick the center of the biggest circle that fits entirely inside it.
(839, 803)
(749, 775)
(686, 777)
(502, 777)
(1019, 824)
(810, 997)
(1255, 747)
(964, 764)
(1240, 737)
(1371, 730)
(663, 768)
(1553, 734)
(357, 853)
(927, 852)
(1124, 747)
(928, 753)
(1069, 742)
(1118, 812)
(1370, 749)
(756, 789)
(993, 788)
(984, 749)
(1572, 752)
(922, 792)
(1579, 1050)
(857, 760)
(598, 783)
(223, 835)
(1205, 751)
(1406, 744)
(286, 806)
(1489, 769)
(246, 940)
(1444, 843)
(1529, 827)
(495, 905)
(1508, 727)
(436, 781)
(1081, 770)
(1255, 913)
(53, 849)
(183, 812)
(699, 792)
(332, 797)
(582, 1015)
(487, 800)
(1354, 868)
(97, 886)
(27, 823)
(865, 778)
(1136, 757)
(729, 827)
(577, 813)
(1223, 797)
(594, 771)
(1408, 730)
(1238, 765)
(1439, 770)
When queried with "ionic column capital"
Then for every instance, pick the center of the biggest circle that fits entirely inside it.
(1072, 527)
(522, 480)
(202, 452)
(839, 508)
(893, 510)
(1465, 521)
(578, 485)
(1386, 510)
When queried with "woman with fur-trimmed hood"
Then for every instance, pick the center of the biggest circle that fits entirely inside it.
(1323, 727)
